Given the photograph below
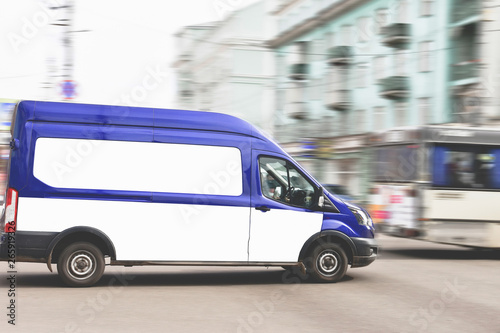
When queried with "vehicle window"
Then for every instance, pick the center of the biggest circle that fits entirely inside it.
(282, 182)
(110, 163)
(465, 166)
(396, 163)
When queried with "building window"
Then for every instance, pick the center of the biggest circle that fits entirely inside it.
(400, 62)
(317, 50)
(426, 7)
(314, 93)
(379, 67)
(280, 99)
(424, 110)
(363, 26)
(402, 11)
(425, 57)
(338, 79)
(298, 54)
(281, 66)
(400, 117)
(330, 39)
(361, 75)
(343, 123)
(381, 20)
(360, 120)
(379, 118)
(346, 37)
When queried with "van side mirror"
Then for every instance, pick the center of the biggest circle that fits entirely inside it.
(321, 199)
(325, 204)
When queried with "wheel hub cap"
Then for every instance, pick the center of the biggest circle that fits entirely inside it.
(81, 265)
(328, 263)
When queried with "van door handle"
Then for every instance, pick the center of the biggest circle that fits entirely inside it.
(263, 208)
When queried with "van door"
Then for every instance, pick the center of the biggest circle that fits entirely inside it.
(282, 215)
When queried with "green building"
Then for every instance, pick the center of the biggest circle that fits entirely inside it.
(352, 67)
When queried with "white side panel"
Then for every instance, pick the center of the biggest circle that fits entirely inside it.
(470, 217)
(278, 235)
(138, 166)
(148, 231)
(462, 205)
(460, 233)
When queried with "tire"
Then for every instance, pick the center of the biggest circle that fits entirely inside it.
(328, 263)
(80, 265)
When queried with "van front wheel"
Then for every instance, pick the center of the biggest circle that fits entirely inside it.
(329, 263)
(80, 264)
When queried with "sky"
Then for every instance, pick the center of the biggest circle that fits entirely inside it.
(123, 49)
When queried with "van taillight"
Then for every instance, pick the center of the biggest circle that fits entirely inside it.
(11, 210)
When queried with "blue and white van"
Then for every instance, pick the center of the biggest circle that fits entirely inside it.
(96, 185)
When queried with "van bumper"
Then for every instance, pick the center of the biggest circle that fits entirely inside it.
(29, 246)
(366, 252)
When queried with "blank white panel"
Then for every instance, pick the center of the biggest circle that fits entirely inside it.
(138, 166)
(147, 231)
(279, 234)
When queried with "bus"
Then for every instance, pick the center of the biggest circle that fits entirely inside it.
(438, 183)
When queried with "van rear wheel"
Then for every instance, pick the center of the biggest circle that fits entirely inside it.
(80, 265)
(329, 263)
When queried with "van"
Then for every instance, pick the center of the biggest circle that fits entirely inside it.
(97, 185)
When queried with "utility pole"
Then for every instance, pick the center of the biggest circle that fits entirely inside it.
(68, 41)
(67, 85)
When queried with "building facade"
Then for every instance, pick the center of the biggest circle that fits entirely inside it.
(226, 66)
(349, 68)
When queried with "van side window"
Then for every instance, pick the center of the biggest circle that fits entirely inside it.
(282, 182)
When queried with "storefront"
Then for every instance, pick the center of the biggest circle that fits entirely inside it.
(341, 161)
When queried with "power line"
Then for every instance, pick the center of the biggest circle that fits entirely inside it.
(326, 54)
(318, 54)
(348, 82)
(18, 76)
(350, 79)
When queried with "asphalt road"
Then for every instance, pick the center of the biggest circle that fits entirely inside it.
(412, 287)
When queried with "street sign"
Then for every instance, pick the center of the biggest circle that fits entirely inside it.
(68, 89)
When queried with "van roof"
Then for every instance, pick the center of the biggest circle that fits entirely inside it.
(135, 116)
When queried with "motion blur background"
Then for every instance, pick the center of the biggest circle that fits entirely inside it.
(330, 80)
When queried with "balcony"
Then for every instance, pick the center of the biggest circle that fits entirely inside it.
(340, 55)
(396, 35)
(297, 110)
(395, 87)
(187, 93)
(464, 9)
(338, 100)
(186, 87)
(184, 57)
(464, 71)
(299, 71)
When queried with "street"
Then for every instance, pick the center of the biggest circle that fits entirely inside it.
(413, 286)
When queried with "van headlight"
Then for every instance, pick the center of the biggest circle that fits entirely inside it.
(362, 217)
